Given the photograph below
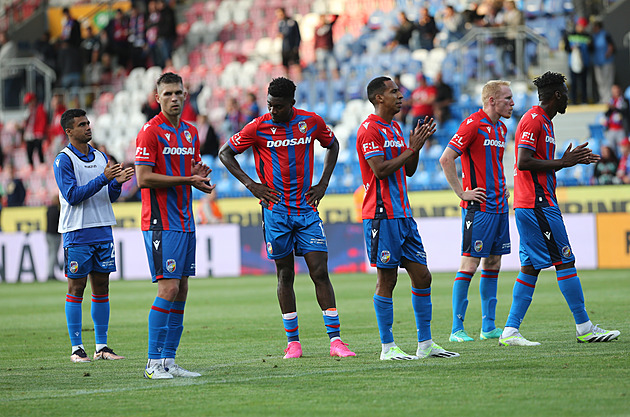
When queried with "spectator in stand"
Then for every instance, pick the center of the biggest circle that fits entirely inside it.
(71, 30)
(512, 19)
(623, 170)
(471, 16)
(324, 57)
(579, 45)
(209, 211)
(443, 100)
(452, 26)
(118, 32)
(290, 32)
(70, 66)
(617, 115)
(136, 37)
(427, 29)
(166, 33)
(45, 50)
(53, 237)
(605, 171)
(153, 18)
(251, 109)
(211, 144)
(401, 116)
(90, 46)
(11, 83)
(234, 121)
(404, 32)
(56, 134)
(422, 100)
(151, 107)
(15, 190)
(603, 61)
(35, 127)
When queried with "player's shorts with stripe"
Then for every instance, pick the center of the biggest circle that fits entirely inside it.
(171, 254)
(80, 260)
(544, 240)
(389, 240)
(485, 234)
(286, 233)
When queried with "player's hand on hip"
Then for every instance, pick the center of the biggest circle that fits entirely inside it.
(111, 171)
(125, 175)
(200, 168)
(315, 194)
(478, 195)
(202, 184)
(421, 133)
(265, 194)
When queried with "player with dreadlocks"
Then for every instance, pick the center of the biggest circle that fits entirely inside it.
(543, 237)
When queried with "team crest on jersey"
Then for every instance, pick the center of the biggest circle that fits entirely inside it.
(188, 136)
(385, 256)
(566, 251)
(171, 265)
(478, 245)
(302, 126)
(74, 266)
(269, 248)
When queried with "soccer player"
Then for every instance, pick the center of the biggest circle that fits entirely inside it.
(480, 141)
(88, 184)
(283, 142)
(544, 241)
(168, 164)
(391, 233)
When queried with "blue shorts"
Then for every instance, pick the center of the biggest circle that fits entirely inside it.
(485, 234)
(171, 254)
(389, 240)
(286, 233)
(544, 240)
(80, 260)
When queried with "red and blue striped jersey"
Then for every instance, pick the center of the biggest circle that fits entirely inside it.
(284, 155)
(170, 152)
(386, 198)
(481, 145)
(535, 188)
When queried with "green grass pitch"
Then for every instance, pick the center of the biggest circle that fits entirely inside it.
(233, 335)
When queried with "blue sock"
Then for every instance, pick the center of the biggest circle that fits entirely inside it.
(331, 321)
(423, 310)
(569, 284)
(488, 292)
(100, 317)
(290, 321)
(158, 326)
(521, 299)
(460, 299)
(175, 328)
(73, 318)
(384, 308)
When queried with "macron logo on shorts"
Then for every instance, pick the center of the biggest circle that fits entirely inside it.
(156, 244)
(374, 233)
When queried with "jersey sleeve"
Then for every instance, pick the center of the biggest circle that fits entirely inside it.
(529, 133)
(244, 139)
(464, 136)
(368, 143)
(146, 146)
(325, 135)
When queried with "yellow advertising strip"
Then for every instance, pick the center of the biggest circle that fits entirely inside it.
(340, 208)
(87, 14)
(613, 240)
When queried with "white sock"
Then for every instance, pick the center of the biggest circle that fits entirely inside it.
(74, 348)
(335, 338)
(508, 331)
(584, 327)
(425, 344)
(153, 362)
(168, 362)
(100, 346)
(387, 346)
